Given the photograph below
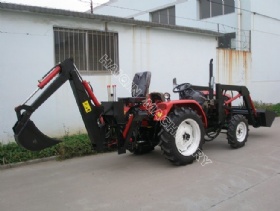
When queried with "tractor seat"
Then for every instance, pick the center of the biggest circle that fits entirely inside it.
(139, 88)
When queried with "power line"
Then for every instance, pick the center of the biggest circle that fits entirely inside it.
(147, 11)
(224, 26)
(204, 21)
(275, 34)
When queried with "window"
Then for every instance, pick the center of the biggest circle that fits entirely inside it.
(87, 47)
(164, 16)
(212, 8)
(227, 41)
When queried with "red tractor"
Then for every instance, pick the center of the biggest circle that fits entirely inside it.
(145, 120)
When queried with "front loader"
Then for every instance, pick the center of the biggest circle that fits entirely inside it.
(145, 120)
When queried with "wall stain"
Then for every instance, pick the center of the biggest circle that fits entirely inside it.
(233, 67)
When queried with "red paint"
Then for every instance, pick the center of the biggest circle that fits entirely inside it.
(49, 77)
(145, 123)
(90, 93)
(128, 124)
(232, 99)
(126, 109)
(165, 108)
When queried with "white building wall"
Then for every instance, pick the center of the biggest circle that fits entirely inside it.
(268, 7)
(187, 14)
(27, 53)
(265, 58)
(233, 67)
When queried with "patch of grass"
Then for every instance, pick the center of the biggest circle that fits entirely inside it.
(12, 153)
(268, 106)
(71, 146)
(74, 146)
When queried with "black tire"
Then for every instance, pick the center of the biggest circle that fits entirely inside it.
(143, 141)
(184, 119)
(143, 150)
(238, 131)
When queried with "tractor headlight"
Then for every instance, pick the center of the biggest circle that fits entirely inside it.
(166, 96)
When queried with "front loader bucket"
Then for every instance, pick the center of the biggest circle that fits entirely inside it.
(265, 117)
(31, 138)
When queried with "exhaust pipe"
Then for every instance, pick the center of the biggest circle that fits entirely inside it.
(211, 80)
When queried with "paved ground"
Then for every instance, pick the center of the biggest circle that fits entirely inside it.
(243, 179)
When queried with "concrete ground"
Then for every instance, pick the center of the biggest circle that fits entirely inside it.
(242, 179)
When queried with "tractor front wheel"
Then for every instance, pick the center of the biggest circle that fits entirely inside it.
(237, 132)
(181, 136)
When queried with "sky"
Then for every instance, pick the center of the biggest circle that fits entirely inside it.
(74, 5)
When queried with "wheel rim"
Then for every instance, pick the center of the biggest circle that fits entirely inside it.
(188, 137)
(241, 132)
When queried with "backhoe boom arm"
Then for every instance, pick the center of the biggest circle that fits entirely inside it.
(28, 135)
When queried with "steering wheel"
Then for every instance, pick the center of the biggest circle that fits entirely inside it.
(181, 87)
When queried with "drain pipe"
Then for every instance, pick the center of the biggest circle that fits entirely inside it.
(238, 41)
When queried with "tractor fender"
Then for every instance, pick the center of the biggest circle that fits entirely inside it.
(164, 108)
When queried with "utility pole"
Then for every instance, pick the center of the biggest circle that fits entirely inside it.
(91, 4)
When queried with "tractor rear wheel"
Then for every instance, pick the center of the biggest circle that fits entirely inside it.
(237, 132)
(181, 136)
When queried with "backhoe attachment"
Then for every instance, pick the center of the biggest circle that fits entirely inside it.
(30, 137)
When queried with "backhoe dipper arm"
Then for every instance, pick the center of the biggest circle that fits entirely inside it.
(30, 137)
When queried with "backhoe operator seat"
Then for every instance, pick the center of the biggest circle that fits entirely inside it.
(139, 88)
(141, 84)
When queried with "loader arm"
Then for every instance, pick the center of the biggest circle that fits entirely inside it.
(255, 117)
(30, 137)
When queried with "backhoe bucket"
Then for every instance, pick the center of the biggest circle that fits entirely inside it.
(31, 138)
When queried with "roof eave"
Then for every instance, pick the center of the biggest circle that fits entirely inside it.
(105, 18)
